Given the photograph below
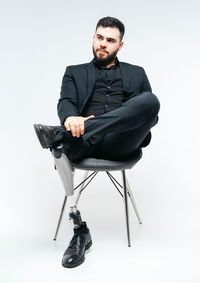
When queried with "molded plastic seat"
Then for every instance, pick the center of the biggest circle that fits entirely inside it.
(92, 164)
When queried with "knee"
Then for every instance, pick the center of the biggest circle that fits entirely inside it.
(149, 103)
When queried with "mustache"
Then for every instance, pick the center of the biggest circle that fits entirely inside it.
(102, 50)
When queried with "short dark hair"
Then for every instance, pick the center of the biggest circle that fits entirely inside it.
(112, 22)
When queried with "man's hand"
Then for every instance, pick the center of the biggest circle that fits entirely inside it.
(75, 124)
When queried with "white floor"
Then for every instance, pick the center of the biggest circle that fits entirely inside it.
(165, 248)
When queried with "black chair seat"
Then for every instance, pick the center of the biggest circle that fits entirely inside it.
(94, 164)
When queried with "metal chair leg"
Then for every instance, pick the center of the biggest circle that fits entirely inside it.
(133, 201)
(82, 186)
(127, 191)
(126, 207)
(60, 218)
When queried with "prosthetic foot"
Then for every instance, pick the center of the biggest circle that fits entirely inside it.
(76, 217)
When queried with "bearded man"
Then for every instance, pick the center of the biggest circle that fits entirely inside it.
(106, 109)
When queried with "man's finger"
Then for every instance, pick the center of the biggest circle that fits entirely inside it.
(67, 126)
(82, 128)
(67, 123)
(77, 128)
(89, 117)
(73, 131)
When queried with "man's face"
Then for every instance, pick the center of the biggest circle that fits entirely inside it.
(106, 44)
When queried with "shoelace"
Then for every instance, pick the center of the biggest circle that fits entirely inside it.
(76, 240)
(59, 132)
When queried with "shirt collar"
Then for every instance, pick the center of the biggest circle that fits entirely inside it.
(96, 63)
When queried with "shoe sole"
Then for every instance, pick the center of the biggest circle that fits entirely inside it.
(39, 135)
(80, 261)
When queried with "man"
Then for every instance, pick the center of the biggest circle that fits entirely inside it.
(106, 110)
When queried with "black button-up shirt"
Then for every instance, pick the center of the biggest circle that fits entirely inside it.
(107, 93)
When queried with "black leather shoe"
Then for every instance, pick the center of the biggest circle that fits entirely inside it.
(49, 136)
(75, 253)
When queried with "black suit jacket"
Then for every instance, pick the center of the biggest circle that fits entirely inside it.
(79, 80)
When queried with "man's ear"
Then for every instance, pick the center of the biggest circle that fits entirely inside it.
(121, 45)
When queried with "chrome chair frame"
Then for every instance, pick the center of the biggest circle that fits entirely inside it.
(126, 192)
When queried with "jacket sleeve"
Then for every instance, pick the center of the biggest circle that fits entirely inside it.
(146, 85)
(68, 102)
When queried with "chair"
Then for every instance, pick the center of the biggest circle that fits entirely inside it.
(91, 164)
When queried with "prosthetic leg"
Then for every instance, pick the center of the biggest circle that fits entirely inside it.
(81, 241)
(66, 173)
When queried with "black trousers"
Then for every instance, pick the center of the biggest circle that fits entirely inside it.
(117, 134)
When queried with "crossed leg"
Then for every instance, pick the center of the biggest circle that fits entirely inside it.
(116, 146)
(118, 133)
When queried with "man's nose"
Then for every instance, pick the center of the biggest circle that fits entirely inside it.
(103, 43)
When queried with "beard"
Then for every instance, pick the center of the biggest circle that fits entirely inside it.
(107, 60)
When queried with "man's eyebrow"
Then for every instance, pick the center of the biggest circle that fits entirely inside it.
(111, 38)
(107, 37)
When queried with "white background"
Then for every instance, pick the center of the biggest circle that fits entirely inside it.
(38, 40)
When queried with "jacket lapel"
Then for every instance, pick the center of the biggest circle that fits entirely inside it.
(126, 83)
(90, 77)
